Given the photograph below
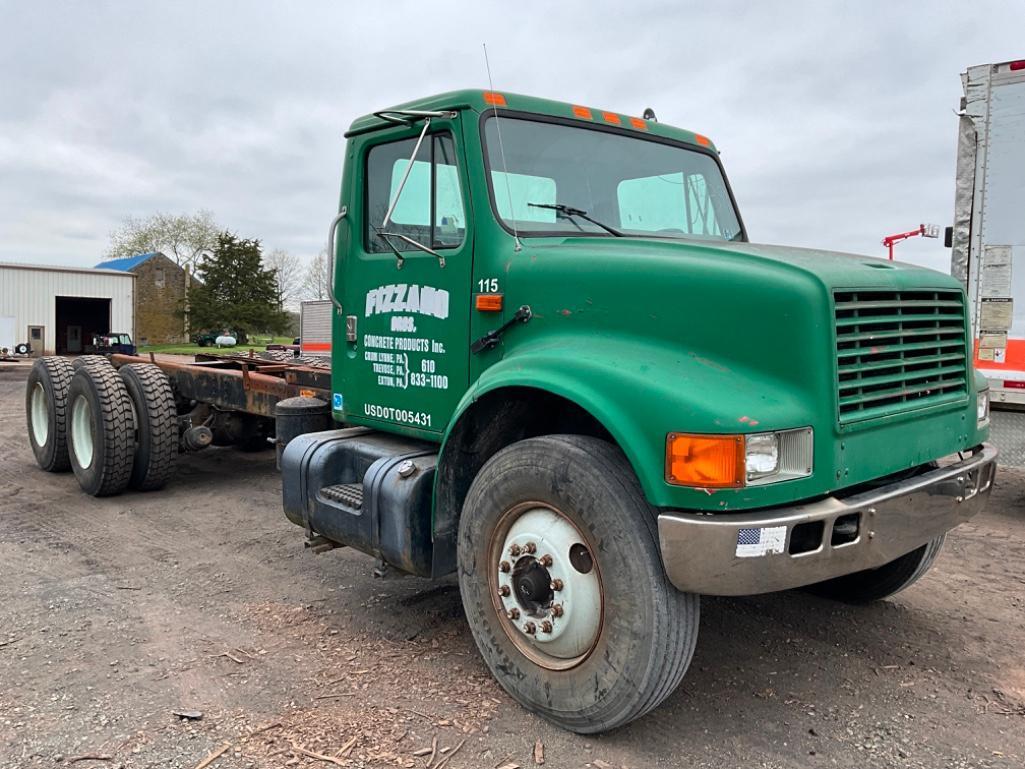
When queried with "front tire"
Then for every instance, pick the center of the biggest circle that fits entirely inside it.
(100, 430)
(561, 521)
(889, 579)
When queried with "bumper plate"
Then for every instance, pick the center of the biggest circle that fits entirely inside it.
(748, 553)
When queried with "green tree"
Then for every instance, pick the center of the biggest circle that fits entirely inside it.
(235, 292)
(183, 237)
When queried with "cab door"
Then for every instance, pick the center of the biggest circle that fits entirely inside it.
(405, 361)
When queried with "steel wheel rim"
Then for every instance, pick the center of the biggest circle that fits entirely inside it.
(82, 431)
(560, 638)
(40, 415)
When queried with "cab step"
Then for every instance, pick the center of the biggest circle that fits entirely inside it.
(348, 494)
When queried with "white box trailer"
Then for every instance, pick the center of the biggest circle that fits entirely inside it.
(988, 238)
(315, 328)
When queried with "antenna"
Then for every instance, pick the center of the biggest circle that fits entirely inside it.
(501, 149)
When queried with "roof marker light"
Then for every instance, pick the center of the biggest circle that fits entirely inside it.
(611, 117)
(704, 141)
(583, 112)
(636, 122)
(1014, 66)
(495, 99)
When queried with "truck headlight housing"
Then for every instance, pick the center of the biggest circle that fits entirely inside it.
(761, 455)
(982, 407)
(732, 461)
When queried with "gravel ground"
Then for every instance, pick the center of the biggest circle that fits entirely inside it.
(116, 613)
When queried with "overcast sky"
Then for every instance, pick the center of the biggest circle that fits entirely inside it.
(835, 120)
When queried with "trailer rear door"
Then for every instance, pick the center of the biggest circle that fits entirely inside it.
(991, 201)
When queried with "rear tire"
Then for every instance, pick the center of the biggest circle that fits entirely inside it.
(90, 360)
(279, 356)
(156, 425)
(889, 579)
(46, 412)
(100, 430)
(623, 636)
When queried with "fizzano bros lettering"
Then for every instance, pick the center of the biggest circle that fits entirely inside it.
(406, 298)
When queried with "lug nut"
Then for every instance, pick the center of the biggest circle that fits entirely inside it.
(530, 547)
(556, 584)
(546, 627)
(514, 613)
(504, 591)
(557, 610)
(530, 628)
(504, 567)
(545, 560)
(514, 550)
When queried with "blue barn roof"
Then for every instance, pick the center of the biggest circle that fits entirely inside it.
(127, 263)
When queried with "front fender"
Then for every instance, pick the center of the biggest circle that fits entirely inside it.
(641, 391)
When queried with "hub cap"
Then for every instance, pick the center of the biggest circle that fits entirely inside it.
(82, 431)
(40, 415)
(546, 586)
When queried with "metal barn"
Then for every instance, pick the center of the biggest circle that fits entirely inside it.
(58, 309)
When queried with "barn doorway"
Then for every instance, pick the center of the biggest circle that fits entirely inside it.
(78, 318)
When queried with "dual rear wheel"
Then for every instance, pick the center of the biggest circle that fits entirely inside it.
(113, 428)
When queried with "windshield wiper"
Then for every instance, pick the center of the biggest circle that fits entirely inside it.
(569, 211)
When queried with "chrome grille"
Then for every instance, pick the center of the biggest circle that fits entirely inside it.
(898, 350)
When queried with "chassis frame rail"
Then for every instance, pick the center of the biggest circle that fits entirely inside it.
(238, 382)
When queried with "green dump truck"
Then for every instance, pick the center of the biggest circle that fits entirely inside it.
(561, 371)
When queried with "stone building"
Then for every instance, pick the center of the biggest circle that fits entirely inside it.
(160, 286)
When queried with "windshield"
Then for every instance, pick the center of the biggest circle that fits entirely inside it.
(636, 186)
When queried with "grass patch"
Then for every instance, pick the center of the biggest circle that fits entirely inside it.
(255, 342)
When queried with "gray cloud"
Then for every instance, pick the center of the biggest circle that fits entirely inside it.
(835, 120)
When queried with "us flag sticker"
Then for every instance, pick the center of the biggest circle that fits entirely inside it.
(752, 543)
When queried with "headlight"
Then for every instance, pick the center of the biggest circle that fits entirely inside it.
(982, 407)
(761, 455)
(779, 456)
(722, 461)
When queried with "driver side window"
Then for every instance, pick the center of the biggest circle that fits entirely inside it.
(430, 207)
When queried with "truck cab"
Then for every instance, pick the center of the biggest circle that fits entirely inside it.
(113, 343)
(561, 369)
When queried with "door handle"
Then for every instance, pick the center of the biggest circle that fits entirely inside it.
(331, 256)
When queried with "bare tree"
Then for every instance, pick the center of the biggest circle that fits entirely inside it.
(315, 282)
(182, 237)
(288, 276)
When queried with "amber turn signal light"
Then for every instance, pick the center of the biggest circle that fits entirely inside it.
(489, 302)
(705, 461)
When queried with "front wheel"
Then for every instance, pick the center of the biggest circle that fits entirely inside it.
(876, 584)
(563, 584)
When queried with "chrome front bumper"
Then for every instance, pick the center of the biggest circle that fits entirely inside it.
(758, 552)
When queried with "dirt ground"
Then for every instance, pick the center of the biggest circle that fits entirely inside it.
(115, 613)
